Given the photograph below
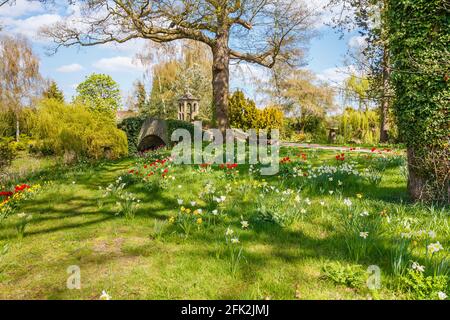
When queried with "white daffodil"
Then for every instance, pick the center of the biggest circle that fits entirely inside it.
(364, 234)
(214, 212)
(229, 232)
(105, 296)
(442, 295)
(364, 213)
(347, 202)
(193, 203)
(234, 240)
(244, 224)
(180, 201)
(435, 247)
(416, 266)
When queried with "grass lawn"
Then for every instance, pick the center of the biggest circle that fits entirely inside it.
(306, 237)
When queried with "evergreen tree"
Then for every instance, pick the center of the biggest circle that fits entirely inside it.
(53, 92)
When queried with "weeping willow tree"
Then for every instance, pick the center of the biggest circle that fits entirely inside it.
(359, 126)
(75, 131)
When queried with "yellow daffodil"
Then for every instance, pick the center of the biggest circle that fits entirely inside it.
(199, 221)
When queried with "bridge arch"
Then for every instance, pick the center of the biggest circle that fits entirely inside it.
(153, 134)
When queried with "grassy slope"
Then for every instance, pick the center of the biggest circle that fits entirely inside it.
(129, 260)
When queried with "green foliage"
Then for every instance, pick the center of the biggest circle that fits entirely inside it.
(7, 151)
(99, 92)
(357, 89)
(74, 130)
(243, 114)
(8, 122)
(423, 287)
(359, 126)
(53, 92)
(418, 42)
(306, 129)
(173, 125)
(132, 126)
(270, 118)
(352, 276)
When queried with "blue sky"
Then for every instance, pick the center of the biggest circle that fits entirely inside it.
(69, 66)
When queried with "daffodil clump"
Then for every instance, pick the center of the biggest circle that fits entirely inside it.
(187, 218)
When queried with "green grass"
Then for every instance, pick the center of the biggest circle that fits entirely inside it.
(147, 258)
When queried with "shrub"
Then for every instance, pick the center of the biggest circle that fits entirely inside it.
(76, 132)
(7, 151)
(244, 114)
(420, 286)
(352, 276)
(132, 126)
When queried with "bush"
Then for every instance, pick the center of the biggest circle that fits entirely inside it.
(422, 287)
(7, 152)
(132, 126)
(352, 276)
(76, 132)
(312, 128)
(244, 114)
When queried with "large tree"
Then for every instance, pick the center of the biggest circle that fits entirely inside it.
(420, 54)
(255, 31)
(100, 93)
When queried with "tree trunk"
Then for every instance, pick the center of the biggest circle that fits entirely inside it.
(17, 128)
(221, 79)
(416, 182)
(384, 114)
(384, 126)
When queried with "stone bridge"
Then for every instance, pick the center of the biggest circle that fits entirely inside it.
(153, 134)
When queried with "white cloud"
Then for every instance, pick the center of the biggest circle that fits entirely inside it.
(74, 67)
(20, 8)
(336, 76)
(29, 27)
(118, 64)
